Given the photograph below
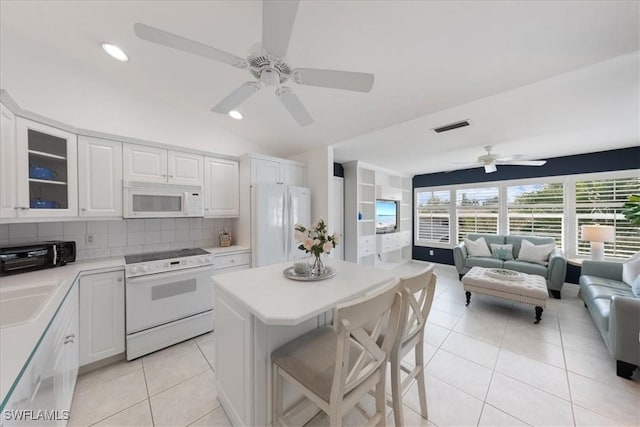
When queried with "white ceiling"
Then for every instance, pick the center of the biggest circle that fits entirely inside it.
(436, 61)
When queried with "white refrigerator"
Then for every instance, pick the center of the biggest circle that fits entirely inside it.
(275, 209)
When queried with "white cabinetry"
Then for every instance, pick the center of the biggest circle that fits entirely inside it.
(360, 213)
(363, 185)
(185, 168)
(102, 332)
(278, 172)
(48, 381)
(7, 163)
(221, 188)
(142, 163)
(151, 164)
(100, 177)
(46, 171)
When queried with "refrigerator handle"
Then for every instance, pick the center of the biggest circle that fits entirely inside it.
(290, 225)
(284, 228)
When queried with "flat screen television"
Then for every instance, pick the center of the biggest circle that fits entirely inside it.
(386, 216)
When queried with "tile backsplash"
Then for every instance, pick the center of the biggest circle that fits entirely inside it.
(97, 239)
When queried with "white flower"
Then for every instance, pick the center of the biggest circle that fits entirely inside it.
(336, 238)
(327, 247)
(316, 242)
(308, 243)
(299, 236)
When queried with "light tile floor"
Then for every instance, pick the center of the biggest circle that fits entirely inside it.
(487, 365)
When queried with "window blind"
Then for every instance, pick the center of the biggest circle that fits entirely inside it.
(432, 211)
(477, 211)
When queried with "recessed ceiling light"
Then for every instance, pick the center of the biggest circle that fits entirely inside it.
(235, 114)
(115, 52)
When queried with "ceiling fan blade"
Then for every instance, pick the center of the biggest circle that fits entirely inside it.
(278, 17)
(523, 162)
(347, 80)
(292, 103)
(164, 38)
(236, 97)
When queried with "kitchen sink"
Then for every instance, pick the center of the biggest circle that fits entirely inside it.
(23, 304)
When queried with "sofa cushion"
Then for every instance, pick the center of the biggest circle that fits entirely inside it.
(602, 281)
(631, 269)
(601, 308)
(526, 267)
(516, 241)
(538, 254)
(489, 238)
(477, 247)
(488, 262)
(604, 292)
(635, 288)
(503, 252)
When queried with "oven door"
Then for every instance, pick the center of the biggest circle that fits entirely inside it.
(154, 203)
(161, 298)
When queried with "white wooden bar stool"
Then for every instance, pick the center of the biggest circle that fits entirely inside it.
(417, 297)
(335, 366)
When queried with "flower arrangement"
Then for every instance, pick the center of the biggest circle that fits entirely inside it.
(316, 240)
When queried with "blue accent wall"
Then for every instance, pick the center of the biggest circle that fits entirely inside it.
(603, 161)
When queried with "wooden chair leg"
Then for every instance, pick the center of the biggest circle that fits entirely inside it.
(422, 393)
(381, 403)
(276, 396)
(396, 389)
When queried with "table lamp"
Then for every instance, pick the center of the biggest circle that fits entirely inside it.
(598, 234)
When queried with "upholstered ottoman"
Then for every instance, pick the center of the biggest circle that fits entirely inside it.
(510, 285)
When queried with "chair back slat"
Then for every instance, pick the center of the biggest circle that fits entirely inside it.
(358, 352)
(417, 297)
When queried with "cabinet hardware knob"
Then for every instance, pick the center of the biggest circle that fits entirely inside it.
(70, 336)
(119, 279)
(164, 175)
(170, 176)
(83, 209)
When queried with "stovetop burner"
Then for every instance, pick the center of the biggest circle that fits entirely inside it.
(157, 256)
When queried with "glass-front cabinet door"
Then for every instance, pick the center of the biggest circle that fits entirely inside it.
(47, 170)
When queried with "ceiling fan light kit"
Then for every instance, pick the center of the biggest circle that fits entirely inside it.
(267, 64)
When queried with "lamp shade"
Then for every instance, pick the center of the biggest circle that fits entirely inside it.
(598, 233)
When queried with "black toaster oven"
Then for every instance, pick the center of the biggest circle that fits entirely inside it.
(25, 257)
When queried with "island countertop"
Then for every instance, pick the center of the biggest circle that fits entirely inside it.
(276, 300)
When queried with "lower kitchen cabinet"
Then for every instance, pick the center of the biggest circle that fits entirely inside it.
(102, 332)
(48, 381)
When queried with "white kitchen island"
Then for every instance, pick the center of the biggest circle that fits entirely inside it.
(257, 311)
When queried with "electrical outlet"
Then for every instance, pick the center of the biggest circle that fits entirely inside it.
(430, 252)
(89, 238)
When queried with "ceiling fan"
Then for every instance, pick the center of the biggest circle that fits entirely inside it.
(490, 161)
(266, 62)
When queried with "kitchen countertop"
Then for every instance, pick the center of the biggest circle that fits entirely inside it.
(19, 341)
(276, 300)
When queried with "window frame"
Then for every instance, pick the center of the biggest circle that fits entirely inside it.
(569, 238)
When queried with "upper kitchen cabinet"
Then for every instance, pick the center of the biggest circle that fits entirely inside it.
(221, 188)
(185, 168)
(151, 164)
(100, 177)
(46, 171)
(7, 163)
(278, 172)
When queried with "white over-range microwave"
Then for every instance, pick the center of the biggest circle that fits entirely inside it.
(155, 200)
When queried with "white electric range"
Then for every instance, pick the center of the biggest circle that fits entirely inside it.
(169, 298)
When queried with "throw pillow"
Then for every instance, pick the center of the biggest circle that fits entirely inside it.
(503, 252)
(631, 269)
(477, 247)
(538, 254)
(635, 288)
